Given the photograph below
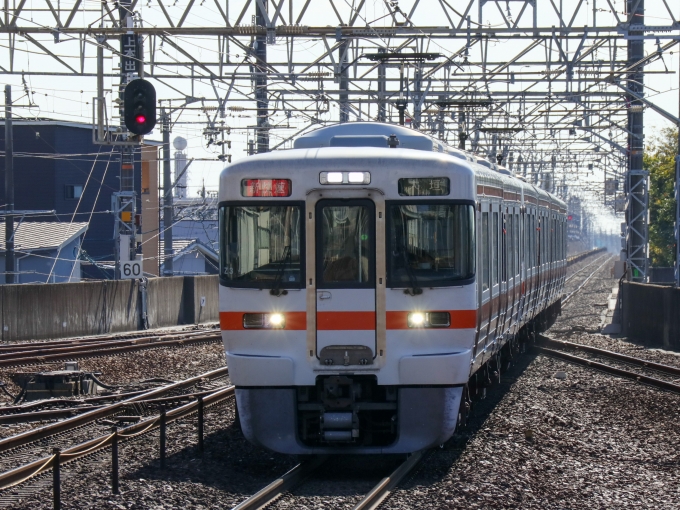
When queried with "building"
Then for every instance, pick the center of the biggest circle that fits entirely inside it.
(195, 237)
(45, 252)
(191, 258)
(58, 167)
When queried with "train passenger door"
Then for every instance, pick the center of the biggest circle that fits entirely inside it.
(496, 259)
(483, 279)
(345, 275)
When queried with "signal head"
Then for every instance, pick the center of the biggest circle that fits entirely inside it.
(139, 105)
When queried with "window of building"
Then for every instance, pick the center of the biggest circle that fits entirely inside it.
(73, 191)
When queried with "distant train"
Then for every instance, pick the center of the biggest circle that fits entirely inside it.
(370, 280)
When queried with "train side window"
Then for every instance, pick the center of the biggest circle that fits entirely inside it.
(517, 244)
(485, 251)
(530, 240)
(494, 250)
(541, 239)
(527, 243)
(553, 235)
(509, 230)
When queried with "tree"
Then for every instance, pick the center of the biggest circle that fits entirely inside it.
(659, 161)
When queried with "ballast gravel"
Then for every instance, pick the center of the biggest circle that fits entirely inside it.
(585, 440)
(550, 436)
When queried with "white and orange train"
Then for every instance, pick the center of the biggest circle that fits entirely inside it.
(369, 278)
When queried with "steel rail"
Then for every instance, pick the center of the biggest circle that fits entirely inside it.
(60, 401)
(272, 491)
(576, 273)
(666, 369)
(8, 350)
(652, 381)
(385, 487)
(122, 335)
(52, 414)
(584, 254)
(97, 414)
(74, 347)
(23, 473)
(87, 352)
(129, 335)
(568, 297)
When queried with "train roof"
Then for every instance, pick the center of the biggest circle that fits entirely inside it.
(377, 134)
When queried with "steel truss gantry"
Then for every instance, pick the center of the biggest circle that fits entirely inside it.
(554, 89)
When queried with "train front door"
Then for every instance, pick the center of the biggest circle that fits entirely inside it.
(345, 275)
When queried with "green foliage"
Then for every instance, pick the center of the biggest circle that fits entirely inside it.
(659, 161)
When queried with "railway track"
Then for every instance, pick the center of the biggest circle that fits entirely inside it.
(44, 352)
(282, 487)
(125, 335)
(564, 350)
(585, 281)
(576, 273)
(559, 348)
(29, 475)
(26, 451)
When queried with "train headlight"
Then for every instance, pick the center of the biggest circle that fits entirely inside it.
(429, 320)
(276, 320)
(264, 321)
(416, 320)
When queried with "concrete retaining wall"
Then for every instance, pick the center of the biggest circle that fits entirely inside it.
(88, 308)
(651, 315)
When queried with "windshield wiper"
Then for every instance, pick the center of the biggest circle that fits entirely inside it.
(414, 290)
(278, 279)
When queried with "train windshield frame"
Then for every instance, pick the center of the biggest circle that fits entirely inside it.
(262, 244)
(430, 243)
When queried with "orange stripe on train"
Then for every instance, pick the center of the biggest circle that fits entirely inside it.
(230, 321)
(345, 321)
(349, 321)
(460, 319)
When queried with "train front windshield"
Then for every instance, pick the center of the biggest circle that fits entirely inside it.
(261, 245)
(430, 244)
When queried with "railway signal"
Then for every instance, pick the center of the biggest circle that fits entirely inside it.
(139, 104)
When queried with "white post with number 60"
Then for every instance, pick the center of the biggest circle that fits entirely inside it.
(131, 269)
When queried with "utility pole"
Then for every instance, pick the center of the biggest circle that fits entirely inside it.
(260, 68)
(342, 77)
(9, 188)
(637, 231)
(168, 206)
(677, 195)
(382, 88)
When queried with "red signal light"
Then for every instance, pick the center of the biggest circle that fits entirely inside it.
(140, 119)
(570, 217)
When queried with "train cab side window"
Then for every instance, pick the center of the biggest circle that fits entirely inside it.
(485, 251)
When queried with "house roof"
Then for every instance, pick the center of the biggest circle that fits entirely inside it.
(184, 246)
(44, 235)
